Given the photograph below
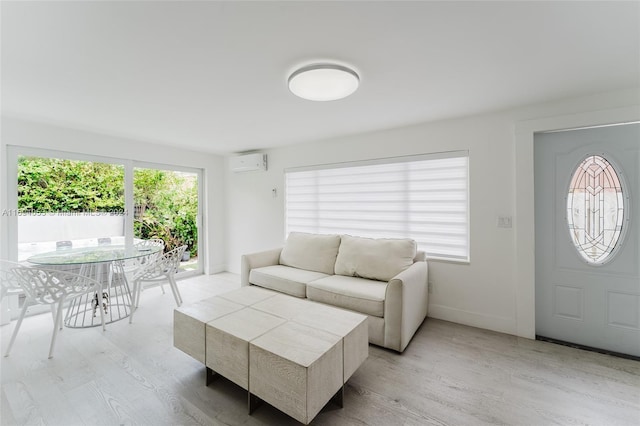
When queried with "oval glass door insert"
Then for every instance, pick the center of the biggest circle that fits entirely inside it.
(595, 209)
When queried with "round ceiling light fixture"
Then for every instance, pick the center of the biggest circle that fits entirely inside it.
(323, 82)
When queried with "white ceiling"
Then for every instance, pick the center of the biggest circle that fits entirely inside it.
(212, 75)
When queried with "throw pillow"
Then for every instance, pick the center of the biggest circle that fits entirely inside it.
(376, 259)
(313, 252)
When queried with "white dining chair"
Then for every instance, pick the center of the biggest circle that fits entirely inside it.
(150, 242)
(64, 245)
(8, 281)
(130, 266)
(154, 242)
(104, 241)
(136, 265)
(9, 285)
(161, 269)
(54, 288)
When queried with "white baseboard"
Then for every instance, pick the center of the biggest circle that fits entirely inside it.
(473, 319)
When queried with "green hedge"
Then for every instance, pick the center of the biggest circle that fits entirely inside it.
(166, 202)
(53, 185)
(166, 207)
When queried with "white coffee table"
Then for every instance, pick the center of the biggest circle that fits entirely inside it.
(291, 353)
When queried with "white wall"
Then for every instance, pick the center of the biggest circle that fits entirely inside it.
(494, 290)
(29, 134)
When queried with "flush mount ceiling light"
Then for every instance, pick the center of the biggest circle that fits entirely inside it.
(323, 82)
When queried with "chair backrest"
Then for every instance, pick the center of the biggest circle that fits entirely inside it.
(173, 258)
(168, 263)
(152, 242)
(8, 280)
(62, 245)
(46, 286)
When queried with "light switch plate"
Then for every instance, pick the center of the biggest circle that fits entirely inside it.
(504, 221)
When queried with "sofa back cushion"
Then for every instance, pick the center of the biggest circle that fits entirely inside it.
(376, 259)
(313, 252)
(421, 256)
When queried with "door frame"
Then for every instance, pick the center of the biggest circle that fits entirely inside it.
(524, 224)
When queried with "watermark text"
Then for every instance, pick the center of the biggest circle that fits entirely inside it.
(31, 212)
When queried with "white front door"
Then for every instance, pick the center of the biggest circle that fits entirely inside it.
(587, 218)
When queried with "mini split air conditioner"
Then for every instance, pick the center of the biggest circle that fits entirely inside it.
(248, 163)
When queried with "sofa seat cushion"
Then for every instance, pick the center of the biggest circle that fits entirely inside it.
(284, 279)
(357, 294)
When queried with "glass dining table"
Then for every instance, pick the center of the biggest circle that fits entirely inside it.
(107, 264)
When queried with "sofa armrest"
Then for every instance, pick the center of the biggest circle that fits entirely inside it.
(405, 306)
(257, 260)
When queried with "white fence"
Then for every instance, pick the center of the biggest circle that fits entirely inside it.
(60, 227)
(38, 234)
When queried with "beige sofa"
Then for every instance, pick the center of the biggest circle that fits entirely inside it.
(385, 279)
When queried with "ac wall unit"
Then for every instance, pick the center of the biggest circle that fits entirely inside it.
(248, 162)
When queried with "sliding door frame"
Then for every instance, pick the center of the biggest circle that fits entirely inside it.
(9, 309)
(13, 152)
(200, 224)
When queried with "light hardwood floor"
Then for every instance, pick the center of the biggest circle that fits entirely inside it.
(449, 375)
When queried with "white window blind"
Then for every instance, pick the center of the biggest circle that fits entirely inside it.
(424, 198)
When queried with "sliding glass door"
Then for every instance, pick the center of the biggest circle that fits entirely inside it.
(166, 207)
(67, 203)
(59, 200)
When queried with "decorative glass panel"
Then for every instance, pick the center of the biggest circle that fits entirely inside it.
(595, 209)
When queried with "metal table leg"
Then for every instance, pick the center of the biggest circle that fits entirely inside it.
(115, 299)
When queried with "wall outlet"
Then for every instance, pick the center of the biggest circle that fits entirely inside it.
(504, 221)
